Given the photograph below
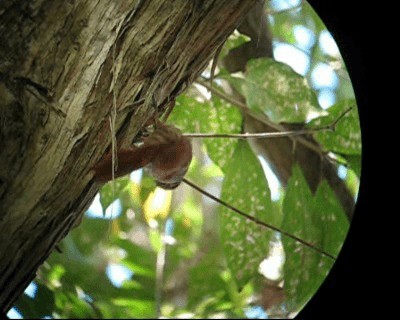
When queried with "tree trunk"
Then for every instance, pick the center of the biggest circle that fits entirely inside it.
(64, 66)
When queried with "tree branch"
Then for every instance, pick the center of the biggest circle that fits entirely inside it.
(259, 117)
(263, 135)
(259, 222)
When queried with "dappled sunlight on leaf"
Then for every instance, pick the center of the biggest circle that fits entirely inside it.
(245, 243)
(276, 90)
(318, 219)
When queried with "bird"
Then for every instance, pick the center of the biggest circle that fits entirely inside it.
(166, 153)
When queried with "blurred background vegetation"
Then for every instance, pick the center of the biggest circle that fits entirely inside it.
(143, 252)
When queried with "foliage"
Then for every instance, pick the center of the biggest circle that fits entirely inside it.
(275, 89)
(112, 266)
(346, 139)
(318, 219)
(246, 188)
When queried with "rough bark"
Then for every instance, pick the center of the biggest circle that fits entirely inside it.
(283, 153)
(63, 65)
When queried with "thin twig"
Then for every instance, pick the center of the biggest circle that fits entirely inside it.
(307, 143)
(341, 116)
(330, 127)
(255, 135)
(239, 104)
(259, 222)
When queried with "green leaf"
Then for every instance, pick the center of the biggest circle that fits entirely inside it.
(303, 275)
(275, 89)
(237, 81)
(72, 306)
(319, 220)
(330, 218)
(187, 114)
(222, 118)
(29, 307)
(41, 305)
(201, 287)
(147, 186)
(245, 187)
(235, 40)
(112, 191)
(87, 237)
(355, 163)
(346, 139)
(139, 308)
(140, 260)
(214, 116)
(55, 274)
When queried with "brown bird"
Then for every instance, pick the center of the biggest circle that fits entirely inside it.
(165, 152)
